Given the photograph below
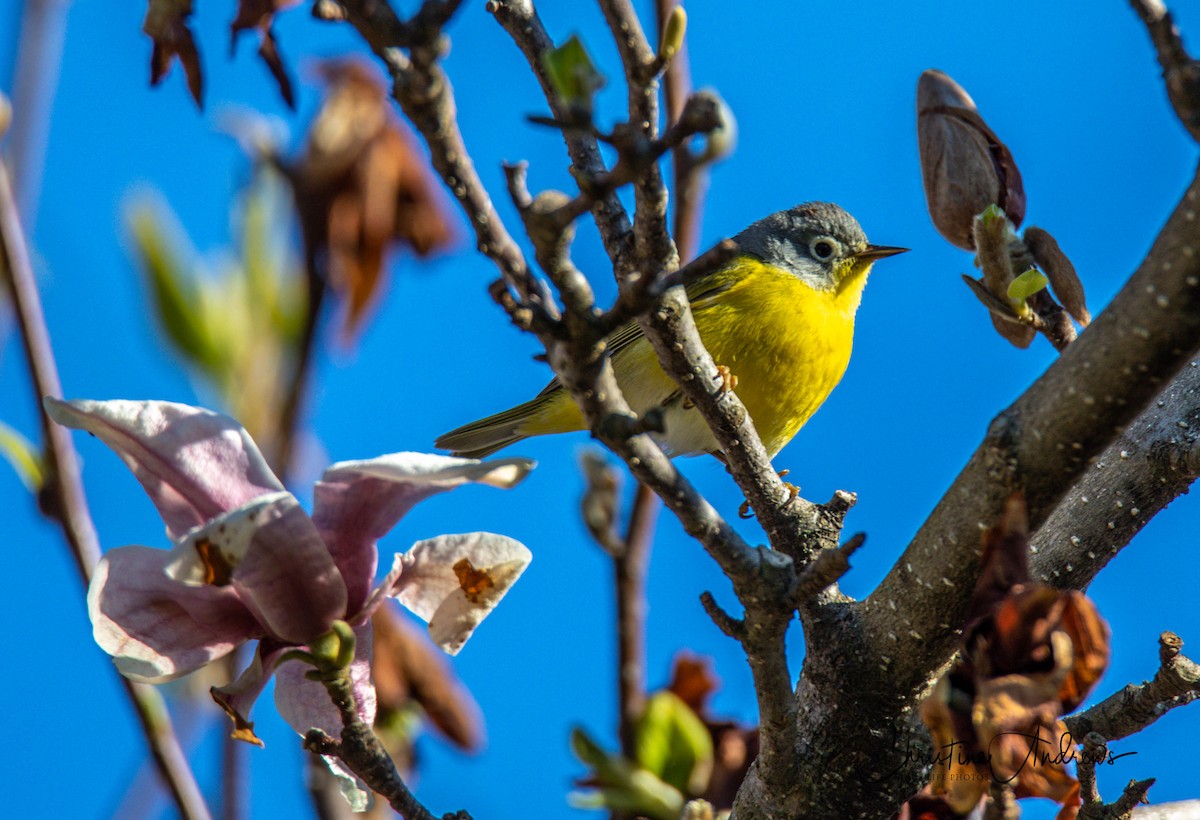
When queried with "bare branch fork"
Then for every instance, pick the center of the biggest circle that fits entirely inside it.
(820, 743)
(1127, 712)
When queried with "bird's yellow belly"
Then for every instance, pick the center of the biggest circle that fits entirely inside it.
(788, 366)
(787, 344)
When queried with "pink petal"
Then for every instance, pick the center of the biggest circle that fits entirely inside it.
(357, 502)
(454, 581)
(194, 463)
(156, 628)
(238, 697)
(383, 591)
(305, 704)
(269, 552)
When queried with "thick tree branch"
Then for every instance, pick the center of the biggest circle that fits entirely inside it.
(1043, 443)
(1151, 464)
(63, 499)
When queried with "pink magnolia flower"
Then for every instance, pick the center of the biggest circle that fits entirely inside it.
(249, 564)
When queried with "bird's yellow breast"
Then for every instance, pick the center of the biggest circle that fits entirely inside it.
(787, 343)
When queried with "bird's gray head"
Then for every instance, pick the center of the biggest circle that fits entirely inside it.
(814, 241)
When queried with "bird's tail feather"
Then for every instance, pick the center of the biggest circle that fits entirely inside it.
(486, 436)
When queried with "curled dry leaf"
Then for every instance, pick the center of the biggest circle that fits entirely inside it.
(692, 680)
(260, 14)
(166, 24)
(735, 746)
(964, 165)
(1030, 654)
(360, 186)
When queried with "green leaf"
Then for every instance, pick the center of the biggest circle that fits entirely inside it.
(674, 744)
(621, 785)
(594, 757)
(276, 289)
(572, 74)
(25, 458)
(673, 31)
(991, 213)
(176, 295)
(1027, 284)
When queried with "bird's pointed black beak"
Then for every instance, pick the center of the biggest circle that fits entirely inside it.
(879, 252)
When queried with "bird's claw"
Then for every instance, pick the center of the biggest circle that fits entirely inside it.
(745, 511)
(792, 490)
(729, 380)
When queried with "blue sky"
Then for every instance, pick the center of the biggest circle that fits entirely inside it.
(824, 97)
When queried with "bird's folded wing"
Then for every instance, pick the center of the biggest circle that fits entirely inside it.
(699, 292)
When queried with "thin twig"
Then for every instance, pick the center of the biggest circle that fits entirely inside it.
(689, 180)
(630, 568)
(234, 773)
(365, 755)
(1177, 683)
(1180, 72)
(63, 498)
(35, 81)
(521, 21)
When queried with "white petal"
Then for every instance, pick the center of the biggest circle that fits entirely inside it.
(434, 470)
(454, 581)
(223, 542)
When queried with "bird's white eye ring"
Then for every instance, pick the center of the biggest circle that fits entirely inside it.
(823, 248)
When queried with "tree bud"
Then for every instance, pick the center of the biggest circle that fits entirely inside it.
(964, 164)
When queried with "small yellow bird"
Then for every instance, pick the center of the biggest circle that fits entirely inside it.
(779, 316)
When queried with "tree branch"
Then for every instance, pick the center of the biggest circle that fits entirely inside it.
(364, 754)
(1043, 444)
(1180, 72)
(521, 21)
(63, 500)
(1177, 683)
(1151, 464)
(630, 568)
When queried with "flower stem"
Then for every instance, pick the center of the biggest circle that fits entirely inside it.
(365, 755)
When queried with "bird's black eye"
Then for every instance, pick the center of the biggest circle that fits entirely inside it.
(822, 248)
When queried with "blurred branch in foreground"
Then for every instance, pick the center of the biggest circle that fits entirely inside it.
(62, 499)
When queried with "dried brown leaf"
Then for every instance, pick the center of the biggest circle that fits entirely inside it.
(1005, 559)
(735, 747)
(361, 187)
(1030, 654)
(260, 14)
(692, 681)
(406, 667)
(166, 24)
